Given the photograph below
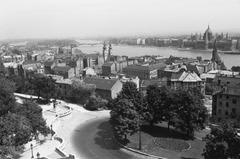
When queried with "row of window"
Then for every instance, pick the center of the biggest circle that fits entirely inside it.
(226, 111)
(220, 96)
(234, 101)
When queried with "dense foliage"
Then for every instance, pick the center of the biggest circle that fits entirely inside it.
(80, 91)
(127, 110)
(223, 142)
(180, 108)
(95, 103)
(17, 121)
(44, 86)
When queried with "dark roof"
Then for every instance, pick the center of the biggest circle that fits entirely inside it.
(108, 64)
(147, 68)
(30, 62)
(48, 63)
(230, 89)
(159, 83)
(62, 69)
(225, 80)
(223, 67)
(192, 68)
(101, 83)
(176, 75)
(215, 56)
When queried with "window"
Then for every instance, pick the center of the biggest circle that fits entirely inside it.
(234, 101)
(226, 112)
(234, 110)
(227, 97)
(220, 103)
(219, 111)
(220, 96)
(227, 104)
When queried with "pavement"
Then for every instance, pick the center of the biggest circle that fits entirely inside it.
(46, 146)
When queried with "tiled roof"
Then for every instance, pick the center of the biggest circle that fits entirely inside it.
(104, 84)
(62, 69)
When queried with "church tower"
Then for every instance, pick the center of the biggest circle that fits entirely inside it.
(216, 60)
(104, 50)
(109, 52)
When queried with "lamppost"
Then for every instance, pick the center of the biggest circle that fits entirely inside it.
(38, 155)
(32, 150)
(51, 131)
(140, 135)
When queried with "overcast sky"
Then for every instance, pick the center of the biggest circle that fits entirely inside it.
(76, 18)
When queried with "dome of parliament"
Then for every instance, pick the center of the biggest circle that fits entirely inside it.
(208, 33)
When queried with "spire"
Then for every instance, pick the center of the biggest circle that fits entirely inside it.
(208, 26)
(215, 57)
(104, 49)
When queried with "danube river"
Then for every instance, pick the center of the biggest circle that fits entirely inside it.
(131, 51)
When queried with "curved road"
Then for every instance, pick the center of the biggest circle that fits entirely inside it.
(92, 140)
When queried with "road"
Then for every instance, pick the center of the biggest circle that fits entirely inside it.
(92, 140)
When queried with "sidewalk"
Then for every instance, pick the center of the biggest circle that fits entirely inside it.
(63, 130)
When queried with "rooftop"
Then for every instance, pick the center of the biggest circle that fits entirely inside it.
(62, 69)
(185, 77)
(100, 83)
(159, 83)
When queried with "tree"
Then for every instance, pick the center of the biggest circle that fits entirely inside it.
(169, 107)
(124, 118)
(15, 131)
(44, 86)
(94, 103)
(130, 91)
(191, 112)
(222, 142)
(33, 113)
(126, 111)
(236, 68)
(7, 99)
(154, 104)
(209, 89)
(19, 82)
(81, 91)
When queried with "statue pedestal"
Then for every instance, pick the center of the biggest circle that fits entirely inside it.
(55, 110)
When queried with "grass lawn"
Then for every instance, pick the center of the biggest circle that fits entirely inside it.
(158, 141)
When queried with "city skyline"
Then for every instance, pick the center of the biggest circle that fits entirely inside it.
(81, 18)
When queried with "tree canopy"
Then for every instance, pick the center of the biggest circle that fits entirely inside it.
(223, 142)
(80, 91)
(127, 109)
(17, 121)
(44, 86)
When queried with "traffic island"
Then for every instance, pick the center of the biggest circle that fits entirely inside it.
(159, 142)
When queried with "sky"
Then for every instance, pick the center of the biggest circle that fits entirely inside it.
(83, 18)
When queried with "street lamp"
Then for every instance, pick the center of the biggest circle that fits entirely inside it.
(32, 150)
(38, 155)
(140, 135)
(51, 131)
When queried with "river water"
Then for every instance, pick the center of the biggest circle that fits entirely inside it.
(131, 51)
